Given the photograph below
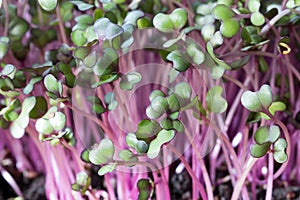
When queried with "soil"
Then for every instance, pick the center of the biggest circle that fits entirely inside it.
(180, 187)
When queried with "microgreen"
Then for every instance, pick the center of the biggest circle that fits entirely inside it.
(102, 153)
(168, 22)
(258, 101)
(48, 5)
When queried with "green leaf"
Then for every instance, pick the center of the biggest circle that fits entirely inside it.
(147, 129)
(58, 121)
(183, 90)
(133, 16)
(85, 155)
(220, 63)
(9, 70)
(48, 5)
(107, 30)
(178, 18)
(131, 140)
(109, 56)
(163, 22)
(81, 52)
(222, 12)
(274, 133)
(179, 62)
(43, 126)
(106, 79)
(277, 106)
(280, 145)
(126, 155)
(196, 54)
(280, 156)
(166, 23)
(173, 103)
(258, 151)
(266, 134)
(156, 93)
(16, 131)
(145, 189)
(141, 147)
(78, 37)
(163, 137)
(166, 123)
(27, 105)
(82, 5)
(159, 104)
(214, 100)
(254, 5)
(31, 84)
(129, 80)
(229, 27)
(178, 126)
(257, 19)
(39, 109)
(257, 101)
(4, 45)
(82, 178)
(107, 169)
(51, 83)
(103, 153)
(152, 114)
(217, 39)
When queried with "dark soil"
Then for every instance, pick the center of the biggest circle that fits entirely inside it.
(180, 187)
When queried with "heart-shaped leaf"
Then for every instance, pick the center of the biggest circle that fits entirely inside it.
(163, 137)
(179, 62)
(147, 129)
(48, 5)
(106, 30)
(222, 12)
(129, 80)
(103, 153)
(166, 23)
(163, 22)
(267, 134)
(230, 27)
(258, 151)
(257, 101)
(214, 100)
(178, 18)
